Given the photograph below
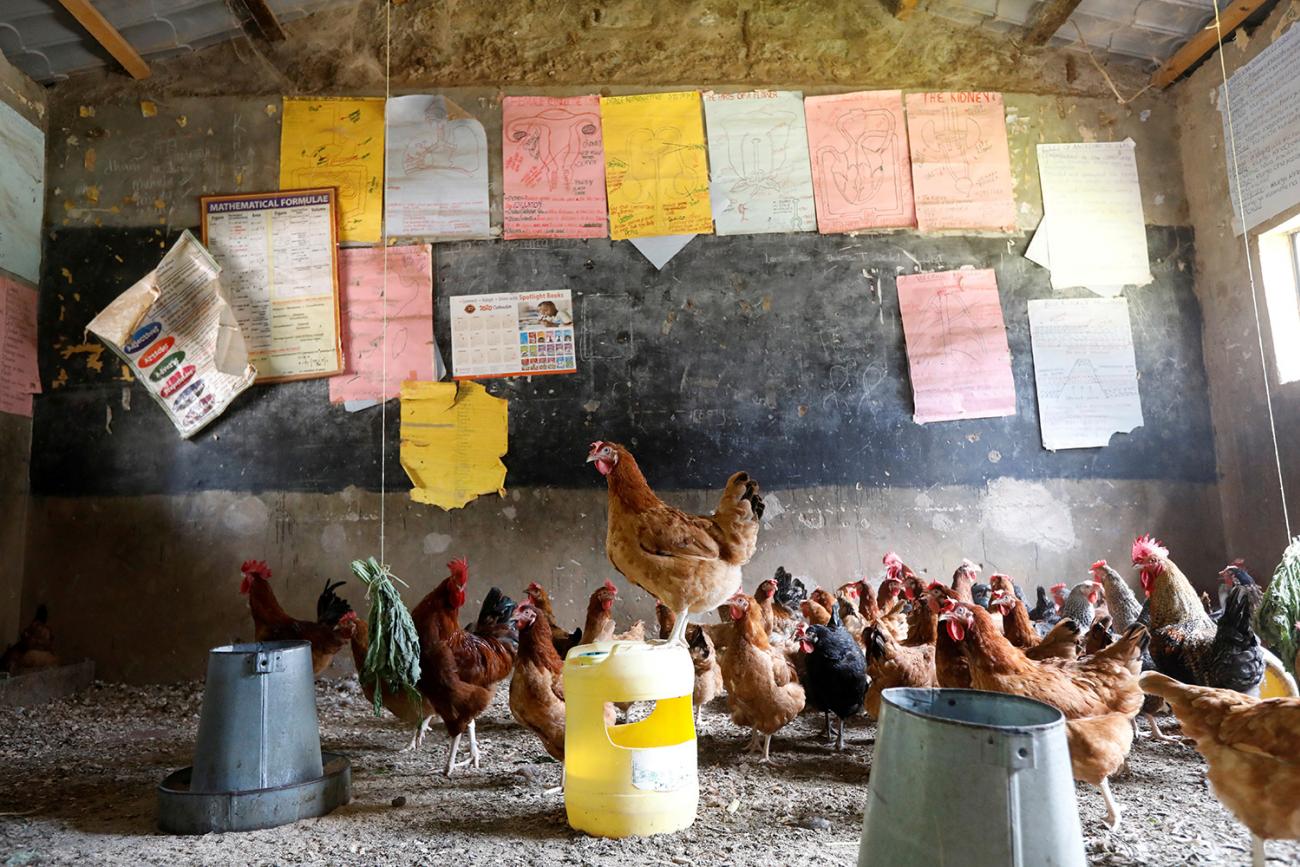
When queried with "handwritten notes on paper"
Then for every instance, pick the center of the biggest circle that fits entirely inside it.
(454, 435)
(553, 167)
(1265, 98)
(656, 165)
(961, 163)
(758, 156)
(22, 194)
(1092, 206)
(437, 170)
(337, 143)
(179, 337)
(860, 165)
(408, 337)
(512, 334)
(19, 378)
(1084, 370)
(956, 345)
(277, 257)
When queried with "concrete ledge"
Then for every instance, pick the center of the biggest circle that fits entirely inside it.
(46, 685)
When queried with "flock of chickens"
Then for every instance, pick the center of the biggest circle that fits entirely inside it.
(1095, 653)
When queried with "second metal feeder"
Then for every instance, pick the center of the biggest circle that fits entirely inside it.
(257, 760)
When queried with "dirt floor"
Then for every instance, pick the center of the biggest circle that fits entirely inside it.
(77, 783)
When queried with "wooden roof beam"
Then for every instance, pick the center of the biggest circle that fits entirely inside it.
(1232, 16)
(108, 36)
(263, 16)
(1048, 18)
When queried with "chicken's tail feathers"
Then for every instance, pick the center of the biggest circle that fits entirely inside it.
(1235, 621)
(1274, 666)
(497, 608)
(330, 607)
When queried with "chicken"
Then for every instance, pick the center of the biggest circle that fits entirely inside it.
(563, 641)
(1019, 630)
(963, 581)
(536, 686)
(1099, 695)
(691, 563)
(891, 664)
(1121, 602)
(599, 625)
(1252, 748)
(836, 680)
(1185, 643)
(34, 648)
(271, 623)
(1081, 605)
(950, 665)
(817, 607)
(1098, 637)
(704, 658)
(409, 710)
(790, 591)
(459, 669)
(1044, 609)
(761, 687)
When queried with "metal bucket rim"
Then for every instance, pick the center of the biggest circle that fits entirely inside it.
(889, 695)
(259, 647)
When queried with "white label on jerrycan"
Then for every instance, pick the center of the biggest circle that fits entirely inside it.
(664, 769)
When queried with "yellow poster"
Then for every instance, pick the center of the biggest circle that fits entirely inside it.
(338, 143)
(656, 165)
(453, 439)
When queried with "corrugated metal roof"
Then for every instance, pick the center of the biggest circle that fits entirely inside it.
(43, 40)
(1146, 30)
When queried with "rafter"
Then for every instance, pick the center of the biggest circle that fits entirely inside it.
(1232, 15)
(263, 16)
(1047, 19)
(108, 36)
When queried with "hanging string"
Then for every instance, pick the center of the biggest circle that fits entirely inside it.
(1250, 270)
(383, 394)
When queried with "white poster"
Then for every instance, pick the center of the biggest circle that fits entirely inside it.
(1092, 204)
(22, 194)
(758, 161)
(436, 171)
(1084, 371)
(512, 334)
(1265, 100)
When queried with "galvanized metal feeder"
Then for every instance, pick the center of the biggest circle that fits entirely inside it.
(257, 760)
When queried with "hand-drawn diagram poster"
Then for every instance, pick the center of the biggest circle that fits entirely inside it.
(758, 156)
(553, 167)
(408, 298)
(961, 164)
(656, 165)
(1084, 370)
(512, 334)
(956, 345)
(19, 378)
(437, 171)
(862, 174)
(22, 194)
(338, 143)
(277, 255)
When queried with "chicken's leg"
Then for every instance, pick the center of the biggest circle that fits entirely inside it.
(1257, 856)
(417, 738)
(560, 787)
(452, 764)
(698, 718)
(827, 736)
(678, 635)
(1113, 809)
(755, 741)
(839, 740)
(1156, 734)
(473, 744)
(767, 748)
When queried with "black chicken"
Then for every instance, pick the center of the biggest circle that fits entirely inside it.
(1044, 609)
(835, 680)
(330, 607)
(790, 591)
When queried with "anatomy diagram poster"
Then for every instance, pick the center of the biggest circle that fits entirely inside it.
(512, 334)
(553, 167)
(957, 350)
(436, 172)
(961, 163)
(862, 174)
(758, 156)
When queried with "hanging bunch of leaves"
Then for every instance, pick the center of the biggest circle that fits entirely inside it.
(393, 658)
(1280, 610)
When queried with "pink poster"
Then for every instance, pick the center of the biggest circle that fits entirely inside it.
(554, 167)
(361, 310)
(956, 346)
(19, 379)
(961, 164)
(862, 178)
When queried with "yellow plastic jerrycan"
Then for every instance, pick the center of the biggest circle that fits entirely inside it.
(635, 779)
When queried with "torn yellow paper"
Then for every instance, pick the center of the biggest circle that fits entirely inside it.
(338, 143)
(656, 165)
(453, 438)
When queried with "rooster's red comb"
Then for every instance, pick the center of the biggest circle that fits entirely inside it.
(1100, 564)
(348, 617)
(892, 559)
(1147, 548)
(459, 569)
(257, 568)
(1059, 585)
(609, 585)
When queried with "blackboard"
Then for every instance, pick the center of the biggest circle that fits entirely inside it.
(782, 355)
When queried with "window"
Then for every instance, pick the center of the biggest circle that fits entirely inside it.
(1279, 260)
